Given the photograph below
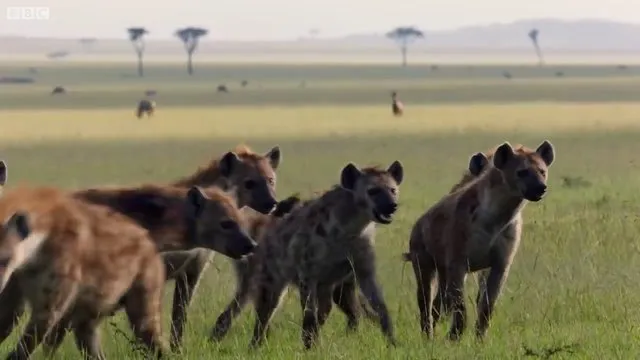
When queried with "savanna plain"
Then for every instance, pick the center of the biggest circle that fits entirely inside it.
(573, 291)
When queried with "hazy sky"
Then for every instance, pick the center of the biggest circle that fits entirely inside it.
(288, 19)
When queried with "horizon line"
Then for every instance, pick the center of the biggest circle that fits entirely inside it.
(306, 37)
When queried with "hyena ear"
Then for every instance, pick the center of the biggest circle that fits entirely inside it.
(228, 163)
(3, 173)
(502, 156)
(275, 157)
(195, 202)
(19, 222)
(349, 176)
(546, 152)
(285, 206)
(397, 171)
(477, 164)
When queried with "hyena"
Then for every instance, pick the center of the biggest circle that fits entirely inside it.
(177, 219)
(344, 294)
(510, 235)
(70, 257)
(317, 246)
(246, 175)
(475, 228)
(145, 106)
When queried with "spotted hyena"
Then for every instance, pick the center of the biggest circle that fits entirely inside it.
(177, 219)
(318, 245)
(247, 176)
(476, 228)
(70, 257)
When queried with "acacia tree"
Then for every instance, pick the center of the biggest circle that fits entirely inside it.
(136, 35)
(190, 37)
(405, 36)
(533, 35)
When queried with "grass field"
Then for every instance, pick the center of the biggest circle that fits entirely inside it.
(574, 281)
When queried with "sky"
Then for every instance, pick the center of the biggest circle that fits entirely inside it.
(290, 19)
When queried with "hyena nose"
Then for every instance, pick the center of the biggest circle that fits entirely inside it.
(390, 208)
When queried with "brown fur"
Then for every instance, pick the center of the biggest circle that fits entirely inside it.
(231, 172)
(474, 228)
(317, 246)
(90, 261)
(511, 233)
(177, 219)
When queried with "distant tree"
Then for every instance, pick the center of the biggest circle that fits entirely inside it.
(533, 35)
(405, 36)
(190, 37)
(136, 36)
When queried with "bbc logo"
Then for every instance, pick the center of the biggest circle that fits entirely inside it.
(28, 13)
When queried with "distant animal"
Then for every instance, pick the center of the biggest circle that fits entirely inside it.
(58, 90)
(244, 83)
(396, 105)
(145, 106)
(150, 93)
(222, 88)
(560, 74)
(506, 75)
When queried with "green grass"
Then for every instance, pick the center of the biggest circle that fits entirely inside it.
(574, 280)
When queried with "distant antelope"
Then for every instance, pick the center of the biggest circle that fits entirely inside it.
(396, 105)
(145, 106)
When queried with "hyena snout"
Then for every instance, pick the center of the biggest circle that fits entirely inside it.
(264, 202)
(384, 208)
(241, 245)
(535, 192)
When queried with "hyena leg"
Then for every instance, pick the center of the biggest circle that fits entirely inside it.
(143, 305)
(371, 290)
(345, 295)
(324, 303)
(490, 287)
(87, 336)
(185, 287)
(43, 318)
(266, 300)
(309, 304)
(439, 307)
(243, 274)
(13, 306)
(56, 336)
(424, 269)
(456, 276)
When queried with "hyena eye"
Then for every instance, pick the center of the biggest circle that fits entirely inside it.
(249, 184)
(227, 224)
(271, 181)
(374, 191)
